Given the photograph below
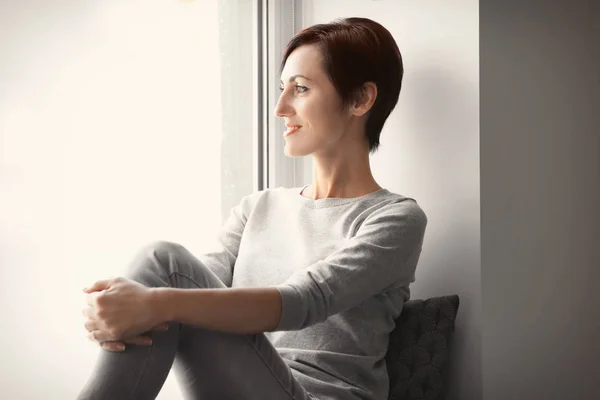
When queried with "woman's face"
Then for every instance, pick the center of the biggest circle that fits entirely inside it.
(310, 105)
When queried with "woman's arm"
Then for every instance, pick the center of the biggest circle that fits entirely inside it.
(120, 309)
(382, 255)
(238, 310)
(220, 260)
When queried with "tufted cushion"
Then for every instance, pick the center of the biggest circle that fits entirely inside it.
(417, 357)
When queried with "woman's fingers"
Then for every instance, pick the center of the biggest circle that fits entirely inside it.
(89, 325)
(116, 345)
(113, 346)
(139, 340)
(99, 285)
(162, 327)
(88, 312)
(99, 336)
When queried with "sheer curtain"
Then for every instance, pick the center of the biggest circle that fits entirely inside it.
(122, 122)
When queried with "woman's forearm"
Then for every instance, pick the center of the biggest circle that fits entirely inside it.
(234, 310)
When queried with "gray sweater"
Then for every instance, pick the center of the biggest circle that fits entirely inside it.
(343, 268)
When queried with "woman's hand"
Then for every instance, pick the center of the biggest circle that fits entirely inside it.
(118, 311)
(119, 345)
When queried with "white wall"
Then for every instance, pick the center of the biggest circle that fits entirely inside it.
(430, 150)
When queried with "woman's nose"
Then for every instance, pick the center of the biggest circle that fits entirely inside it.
(283, 108)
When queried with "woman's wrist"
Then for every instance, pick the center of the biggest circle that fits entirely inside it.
(160, 302)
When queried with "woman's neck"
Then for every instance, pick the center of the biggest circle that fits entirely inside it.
(341, 181)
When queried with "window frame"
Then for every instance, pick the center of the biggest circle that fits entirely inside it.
(276, 23)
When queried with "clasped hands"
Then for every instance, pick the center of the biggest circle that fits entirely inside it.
(120, 311)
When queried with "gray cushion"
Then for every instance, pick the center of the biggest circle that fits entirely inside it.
(417, 358)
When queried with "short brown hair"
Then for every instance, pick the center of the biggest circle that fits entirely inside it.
(356, 51)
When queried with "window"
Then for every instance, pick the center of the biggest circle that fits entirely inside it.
(121, 122)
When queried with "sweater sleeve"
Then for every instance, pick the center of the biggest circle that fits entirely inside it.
(383, 254)
(222, 259)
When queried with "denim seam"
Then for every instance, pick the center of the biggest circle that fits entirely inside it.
(137, 384)
(269, 367)
(183, 276)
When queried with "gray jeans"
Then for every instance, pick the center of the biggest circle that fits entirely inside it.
(210, 365)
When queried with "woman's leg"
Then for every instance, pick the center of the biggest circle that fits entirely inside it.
(211, 365)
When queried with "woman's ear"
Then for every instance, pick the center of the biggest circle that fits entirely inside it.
(365, 99)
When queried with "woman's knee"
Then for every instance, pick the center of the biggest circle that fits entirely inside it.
(157, 256)
(173, 263)
(162, 248)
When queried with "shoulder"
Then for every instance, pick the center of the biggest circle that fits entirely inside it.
(396, 212)
(265, 195)
(251, 201)
(402, 206)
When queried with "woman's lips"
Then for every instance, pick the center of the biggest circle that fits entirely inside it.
(291, 129)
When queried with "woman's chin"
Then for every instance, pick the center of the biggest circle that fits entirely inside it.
(293, 151)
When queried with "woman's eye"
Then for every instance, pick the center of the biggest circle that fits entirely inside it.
(298, 88)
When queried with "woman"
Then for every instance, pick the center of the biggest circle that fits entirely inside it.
(300, 299)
